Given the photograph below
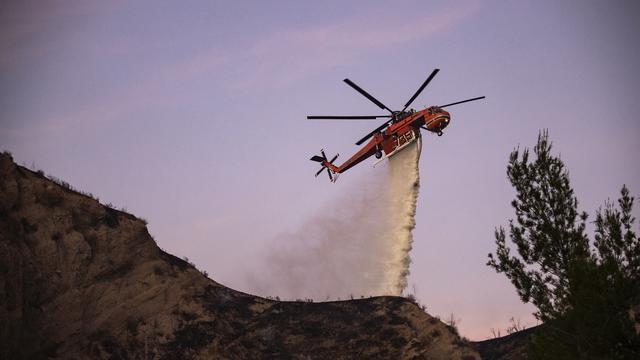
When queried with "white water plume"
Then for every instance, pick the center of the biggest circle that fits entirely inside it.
(402, 196)
(356, 246)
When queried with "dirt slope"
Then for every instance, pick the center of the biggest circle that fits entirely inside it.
(80, 280)
(510, 347)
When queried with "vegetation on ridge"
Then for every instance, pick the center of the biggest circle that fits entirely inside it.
(584, 291)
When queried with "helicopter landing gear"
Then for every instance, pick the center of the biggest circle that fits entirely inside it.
(439, 133)
(378, 152)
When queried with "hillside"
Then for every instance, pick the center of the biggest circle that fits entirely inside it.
(82, 280)
(510, 347)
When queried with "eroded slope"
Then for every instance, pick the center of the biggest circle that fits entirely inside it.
(82, 280)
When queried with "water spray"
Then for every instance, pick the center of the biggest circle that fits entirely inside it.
(357, 247)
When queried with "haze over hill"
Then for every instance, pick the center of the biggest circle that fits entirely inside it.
(356, 246)
(79, 279)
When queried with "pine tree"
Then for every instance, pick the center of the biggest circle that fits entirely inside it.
(582, 292)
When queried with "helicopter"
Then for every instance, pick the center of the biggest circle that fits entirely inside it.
(400, 130)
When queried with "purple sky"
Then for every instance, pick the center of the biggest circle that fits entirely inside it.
(192, 115)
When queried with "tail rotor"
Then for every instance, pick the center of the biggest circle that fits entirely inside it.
(325, 162)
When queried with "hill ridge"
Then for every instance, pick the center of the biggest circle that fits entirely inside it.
(79, 279)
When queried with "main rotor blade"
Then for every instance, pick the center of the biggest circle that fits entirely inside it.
(367, 95)
(372, 133)
(347, 117)
(329, 173)
(334, 159)
(460, 102)
(424, 84)
(319, 171)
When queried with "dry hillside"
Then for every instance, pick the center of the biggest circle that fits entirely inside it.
(80, 280)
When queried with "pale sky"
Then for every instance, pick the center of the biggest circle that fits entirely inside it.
(192, 114)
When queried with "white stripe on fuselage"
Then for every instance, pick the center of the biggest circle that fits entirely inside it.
(395, 151)
(433, 120)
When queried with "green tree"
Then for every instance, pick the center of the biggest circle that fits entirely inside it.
(582, 291)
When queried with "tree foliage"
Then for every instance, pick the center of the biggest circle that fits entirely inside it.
(582, 290)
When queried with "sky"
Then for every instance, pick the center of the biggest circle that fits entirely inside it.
(192, 114)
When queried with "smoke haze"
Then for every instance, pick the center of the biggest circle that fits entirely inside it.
(356, 246)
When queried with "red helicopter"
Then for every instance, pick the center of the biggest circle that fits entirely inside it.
(395, 134)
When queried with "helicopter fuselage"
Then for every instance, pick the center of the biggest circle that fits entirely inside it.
(398, 134)
(395, 134)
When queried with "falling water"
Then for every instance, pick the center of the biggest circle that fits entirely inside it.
(357, 246)
(402, 196)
